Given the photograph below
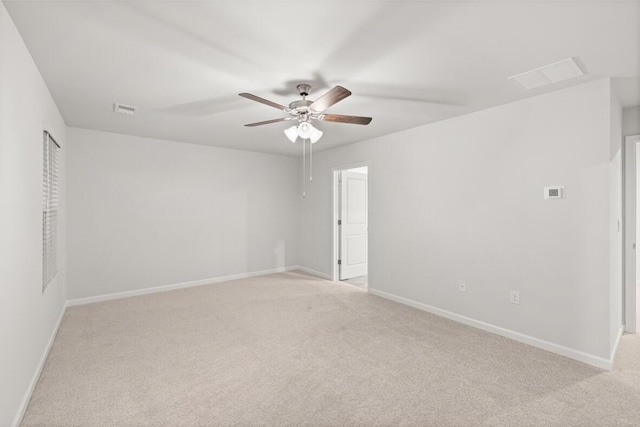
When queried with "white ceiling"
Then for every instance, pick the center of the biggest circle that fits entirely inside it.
(408, 63)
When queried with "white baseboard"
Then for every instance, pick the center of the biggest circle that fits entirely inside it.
(36, 375)
(314, 272)
(580, 356)
(535, 342)
(153, 290)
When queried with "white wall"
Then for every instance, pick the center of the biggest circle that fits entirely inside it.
(463, 199)
(631, 121)
(146, 213)
(27, 317)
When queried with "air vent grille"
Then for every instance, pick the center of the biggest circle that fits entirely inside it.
(123, 109)
(552, 73)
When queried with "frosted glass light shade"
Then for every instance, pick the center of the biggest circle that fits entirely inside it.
(305, 130)
(292, 133)
(316, 134)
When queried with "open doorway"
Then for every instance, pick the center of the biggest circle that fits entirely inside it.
(632, 233)
(351, 224)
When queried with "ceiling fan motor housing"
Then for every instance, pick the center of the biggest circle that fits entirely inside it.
(302, 106)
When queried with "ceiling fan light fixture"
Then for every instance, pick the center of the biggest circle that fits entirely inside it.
(305, 129)
(292, 133)
(315, 135)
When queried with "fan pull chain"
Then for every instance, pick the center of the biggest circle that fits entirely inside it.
(304, 169)
(310, 161)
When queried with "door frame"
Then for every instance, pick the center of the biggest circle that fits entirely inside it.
(335, 208)
(629, 237)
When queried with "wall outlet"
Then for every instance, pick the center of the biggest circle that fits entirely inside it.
(515, 297)
(462, 286)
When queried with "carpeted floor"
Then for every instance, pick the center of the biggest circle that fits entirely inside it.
(360, 281)
(290, 349)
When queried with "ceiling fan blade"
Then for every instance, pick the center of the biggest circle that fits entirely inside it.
(336, 94)
(339, 118)
(269, 122)
(263, 101)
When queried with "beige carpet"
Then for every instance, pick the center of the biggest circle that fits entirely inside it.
(360, 281)
(290, 349)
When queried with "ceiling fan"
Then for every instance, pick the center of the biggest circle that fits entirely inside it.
(305, 111)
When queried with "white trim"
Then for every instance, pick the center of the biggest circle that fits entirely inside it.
(335, 230)
(315, 273)
(516, 336)
(629, 191)
(36, 375)
(535, 342)
(156, 289)
(335, 235)
(614, 350)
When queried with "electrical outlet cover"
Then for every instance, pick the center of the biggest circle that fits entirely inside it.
(515, 297)
(462, 286)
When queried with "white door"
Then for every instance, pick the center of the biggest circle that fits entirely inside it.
(353, 228)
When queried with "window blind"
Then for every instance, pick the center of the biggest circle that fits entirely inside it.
(49, 210)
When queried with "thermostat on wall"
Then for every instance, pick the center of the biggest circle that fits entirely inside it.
(554, 192)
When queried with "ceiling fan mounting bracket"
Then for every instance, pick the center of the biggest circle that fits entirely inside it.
(303, 89)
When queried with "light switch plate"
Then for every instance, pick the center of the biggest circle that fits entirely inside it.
(515, 297)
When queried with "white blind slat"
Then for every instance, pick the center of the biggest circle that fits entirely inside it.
(49, 209)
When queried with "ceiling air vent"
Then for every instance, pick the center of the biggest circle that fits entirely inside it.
(123, 109)
(552, 73)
